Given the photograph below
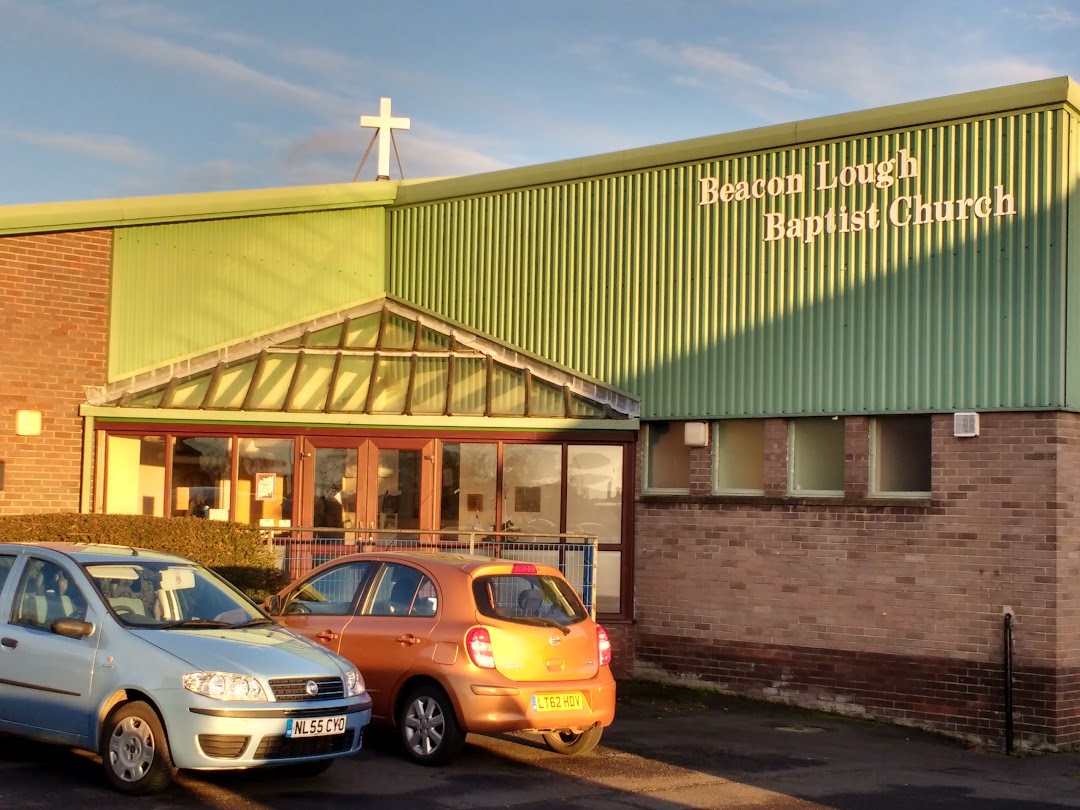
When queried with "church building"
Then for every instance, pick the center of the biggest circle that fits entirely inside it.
(811, 387)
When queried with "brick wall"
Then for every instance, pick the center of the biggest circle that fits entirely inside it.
(54, 294)
(885, 609)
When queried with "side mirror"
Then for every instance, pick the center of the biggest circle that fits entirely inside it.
(273, 605)
(71, 628)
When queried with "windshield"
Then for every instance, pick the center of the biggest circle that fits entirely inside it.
(528, 599)
(170, 594)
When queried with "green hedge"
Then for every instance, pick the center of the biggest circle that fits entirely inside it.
(235, 550)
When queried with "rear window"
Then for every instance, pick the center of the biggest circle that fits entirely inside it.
(521, 597)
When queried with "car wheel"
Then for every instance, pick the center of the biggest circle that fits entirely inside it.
(429, 730)
(134, 750)
(572, 743)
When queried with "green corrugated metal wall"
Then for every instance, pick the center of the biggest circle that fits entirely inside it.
(186, 288)
(1070, 302)
(629, 280)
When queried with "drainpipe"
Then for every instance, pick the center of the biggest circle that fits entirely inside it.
(1008, 642)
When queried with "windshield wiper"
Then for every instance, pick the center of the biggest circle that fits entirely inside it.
(253, 623)
(540, 621)
(193, 624)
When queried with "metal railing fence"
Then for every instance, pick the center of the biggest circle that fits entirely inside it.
(299, 549)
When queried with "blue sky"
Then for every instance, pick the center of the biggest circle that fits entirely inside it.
(117, 98)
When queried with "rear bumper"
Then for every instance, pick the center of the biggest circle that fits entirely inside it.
(492, 708)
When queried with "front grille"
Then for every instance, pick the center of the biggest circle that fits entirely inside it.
(281, 747)
(223, 746)
(296, 688)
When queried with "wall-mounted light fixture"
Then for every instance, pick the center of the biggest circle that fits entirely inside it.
(27, 423)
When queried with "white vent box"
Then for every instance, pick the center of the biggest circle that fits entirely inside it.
(965, 425)
(696, 434)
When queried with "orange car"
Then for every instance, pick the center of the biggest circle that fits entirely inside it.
(449, 644)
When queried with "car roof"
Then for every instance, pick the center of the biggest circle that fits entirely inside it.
(96, 552)
(466, 563)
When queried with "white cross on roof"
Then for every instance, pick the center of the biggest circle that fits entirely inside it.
(385, 123)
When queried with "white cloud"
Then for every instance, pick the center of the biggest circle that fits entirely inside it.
(1051, 18)
(702, 66)
(108, 148)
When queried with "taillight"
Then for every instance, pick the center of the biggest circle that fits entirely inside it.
(603, 645)
(523, 568)
(478, 643)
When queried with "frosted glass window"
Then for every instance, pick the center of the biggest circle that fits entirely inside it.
(739, 456)
(362, 333)
(399, 333)
(189, 394)
(469, 395)
(816, 456)
(546, 400)
(312, 382)
(233, 386)
(351, 387)
(429, 386)
(273, 383)
(507, 391)
(391, 385)
(328, 338)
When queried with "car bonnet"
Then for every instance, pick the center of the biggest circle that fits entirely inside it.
(270, 651)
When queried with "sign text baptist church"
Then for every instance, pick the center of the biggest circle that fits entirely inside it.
(902, 210)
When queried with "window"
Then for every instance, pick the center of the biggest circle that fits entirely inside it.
(667, 459)
(402, 591)
(6, 562)
(900, 456)
(331, 592)
(469, 474)
(135, 478)
(201, 476)
(264, 482)
(739, 456)
(46, 593)
(816, 456)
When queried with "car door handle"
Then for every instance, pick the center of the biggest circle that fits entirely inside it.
(10, 643)
(408, 638)
(327, 635)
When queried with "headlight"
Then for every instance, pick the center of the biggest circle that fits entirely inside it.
(224, 686)
(354, 683)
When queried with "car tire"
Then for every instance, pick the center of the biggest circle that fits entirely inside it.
(428, 728)
(134, 750)
(572, 743)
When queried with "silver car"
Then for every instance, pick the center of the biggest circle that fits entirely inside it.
(157, 663)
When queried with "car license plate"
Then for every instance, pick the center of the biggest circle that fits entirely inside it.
(558, 702)
(315, 726)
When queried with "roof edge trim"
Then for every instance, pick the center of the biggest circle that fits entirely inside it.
(119, 212)
(1059, 91)
(486, 423)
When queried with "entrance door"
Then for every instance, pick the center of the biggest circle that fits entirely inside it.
(368, 489)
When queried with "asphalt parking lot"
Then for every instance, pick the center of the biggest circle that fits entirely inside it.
(667, 750)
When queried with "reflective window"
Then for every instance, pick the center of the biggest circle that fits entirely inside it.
(264, 483)
(532, 488)
(667, 459)
(331, 592)
(135, 475)
(594, 479)
(201, 476)
(46, 593)
(468, 486)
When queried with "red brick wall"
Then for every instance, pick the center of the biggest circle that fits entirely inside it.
(54, 296)
(885, 609)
